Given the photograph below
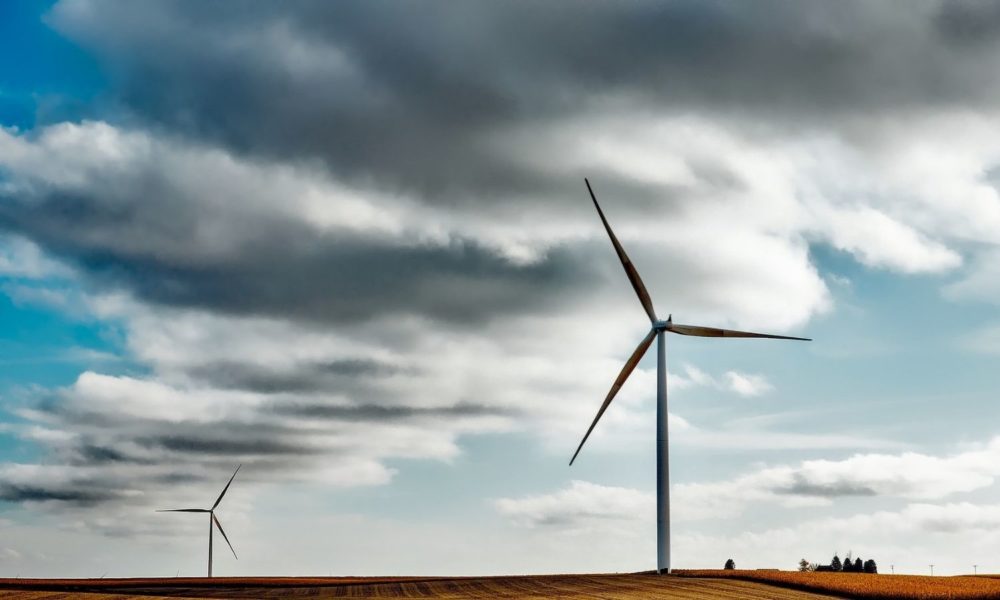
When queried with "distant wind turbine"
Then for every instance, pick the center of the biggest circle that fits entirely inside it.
(212, 520)
(657, 331)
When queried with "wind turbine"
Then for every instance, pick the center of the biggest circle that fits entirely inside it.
(657, 330)
(212, 520)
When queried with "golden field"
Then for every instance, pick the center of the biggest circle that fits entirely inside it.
(859, 585)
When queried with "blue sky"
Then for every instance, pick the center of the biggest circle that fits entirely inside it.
(350, 248)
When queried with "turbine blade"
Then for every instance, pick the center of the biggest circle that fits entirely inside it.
(199, 510)
(716, 332)
(225, 489)
(622, 376)
(633, 275)
(223, 532)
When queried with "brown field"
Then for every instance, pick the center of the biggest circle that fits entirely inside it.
(709, 584)
(859, 585)
(548, 586)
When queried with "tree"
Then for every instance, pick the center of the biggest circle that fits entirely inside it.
(730, 565)
(858, 567)
(835, 563)
(848, 563)
(871, 567)
(804, 565)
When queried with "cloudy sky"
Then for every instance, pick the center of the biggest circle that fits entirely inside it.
(348, 245)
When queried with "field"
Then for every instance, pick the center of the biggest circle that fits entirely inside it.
(858, 585)
(537, 587)
(718, 585)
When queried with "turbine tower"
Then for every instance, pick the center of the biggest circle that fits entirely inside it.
(213, 521)
(657, 330)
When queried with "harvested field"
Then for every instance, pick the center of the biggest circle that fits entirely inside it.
(859, 585)
(548, 586)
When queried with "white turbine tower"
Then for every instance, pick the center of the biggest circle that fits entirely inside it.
(657, 330)
(213, 521)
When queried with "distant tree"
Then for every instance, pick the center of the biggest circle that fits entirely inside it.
(871, 567)
(848, 565)
(730, 565)
(804, 565)
(835, 563)
(858, 566)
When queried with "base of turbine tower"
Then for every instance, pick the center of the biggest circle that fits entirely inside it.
(663, 571)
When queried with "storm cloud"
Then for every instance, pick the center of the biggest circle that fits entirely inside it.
(418, 97)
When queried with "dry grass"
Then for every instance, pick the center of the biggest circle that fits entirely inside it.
(859, 585)
(535, 587)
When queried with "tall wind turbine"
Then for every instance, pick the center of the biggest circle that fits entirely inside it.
(213, 521)
(657, 330)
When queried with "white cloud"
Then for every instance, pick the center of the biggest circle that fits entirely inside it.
(583, 505)
(877, 240)
(746, 384)
(22, 258)
(909, 475)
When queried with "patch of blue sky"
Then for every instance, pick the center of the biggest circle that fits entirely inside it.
(43, 76)
(44, 347)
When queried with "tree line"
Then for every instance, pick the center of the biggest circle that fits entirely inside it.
(848, 565)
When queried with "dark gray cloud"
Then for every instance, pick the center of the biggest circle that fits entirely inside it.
(128, 458)
(93, 454)
(412, 95)
(216, 446)
(87, 494)
(346, 374)
(383, 413)
(282, 268)
(969, 23)
(803, 486)
(414, 98)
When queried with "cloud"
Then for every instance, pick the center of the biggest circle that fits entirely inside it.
(747, 385)
(909, 475)
(879, 241)
(396, 251)
(206, 231)
(582, 505)
(744, 384)
(23, 259)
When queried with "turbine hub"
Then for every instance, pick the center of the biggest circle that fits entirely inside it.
(661, 325)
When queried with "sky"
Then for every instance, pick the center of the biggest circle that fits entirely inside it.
(348, 246)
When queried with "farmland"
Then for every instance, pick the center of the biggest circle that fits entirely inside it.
(710, 584)
(858, 585)
(549, 586)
